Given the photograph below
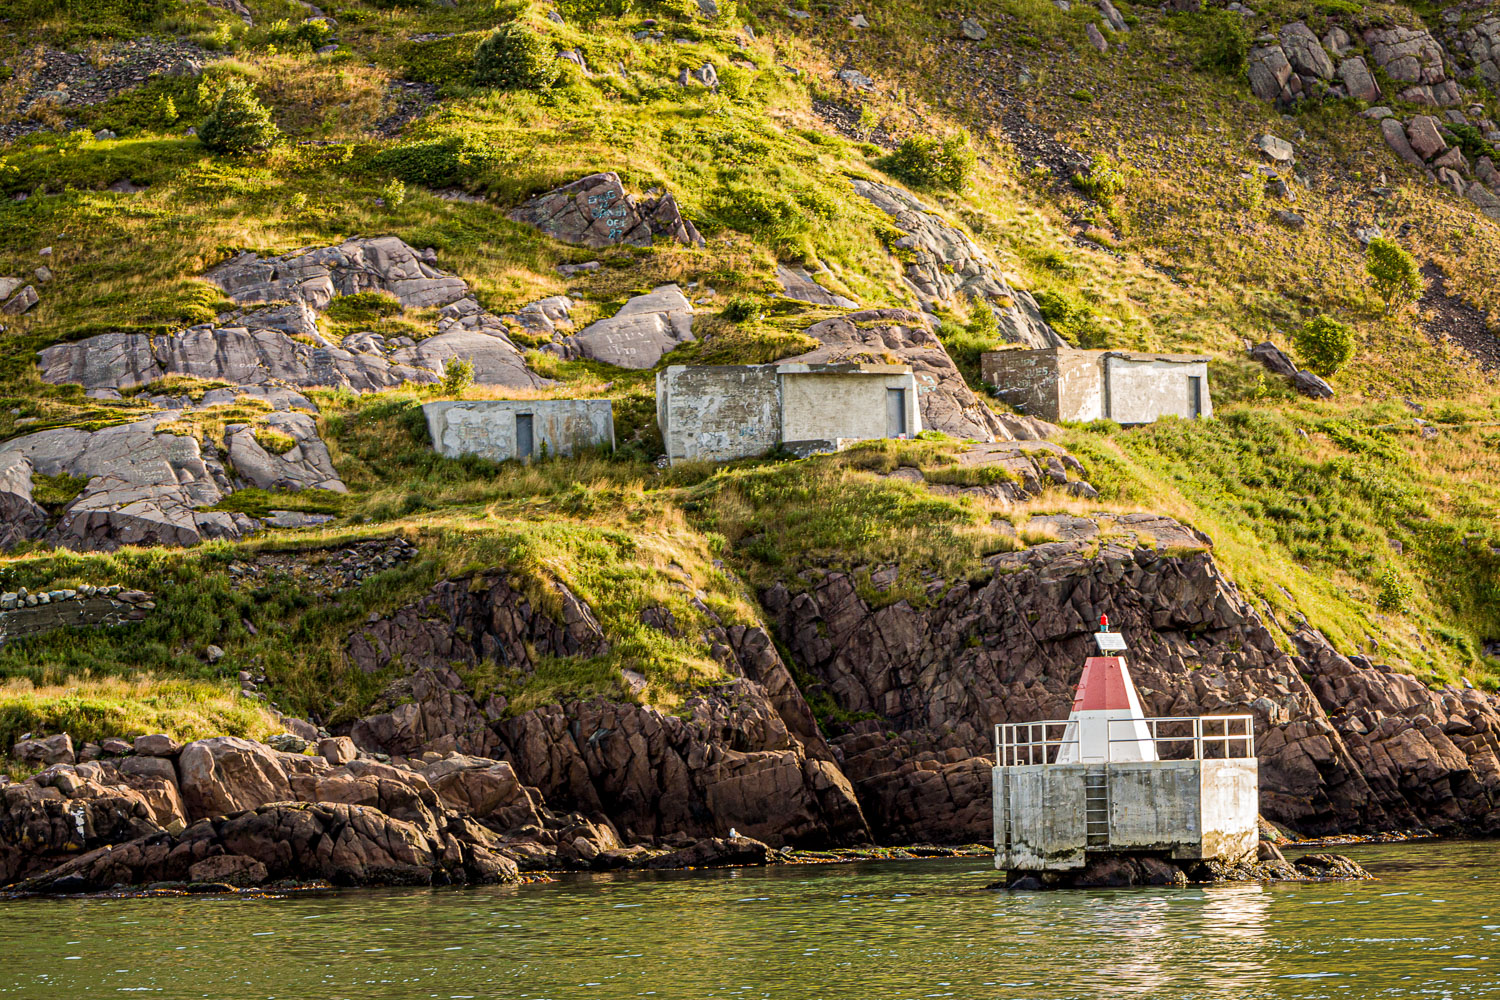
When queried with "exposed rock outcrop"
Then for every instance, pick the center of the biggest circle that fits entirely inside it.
(746, 755)
(20, 517)
(316, 275)
(596, 211)
(1305, 382)
(797, 283)
(945, 264)
(144, 487)
(899, 336)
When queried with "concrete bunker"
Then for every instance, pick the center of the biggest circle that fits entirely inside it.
(723, 412)
(1128, 387)
(503, 429)
(1107, 780)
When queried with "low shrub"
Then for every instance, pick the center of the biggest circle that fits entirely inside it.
(1101, 181)
(591, 11)
(927, 162)
(239, 123)
(1075, 321)
(739, 309)
(1395, 592)
(515, 57)
(363, 307)
(1221, 42)
(437, 163)
(1324, 344)
(1394, 273)
(309, 34)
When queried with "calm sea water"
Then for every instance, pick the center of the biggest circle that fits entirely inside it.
(1429, 927)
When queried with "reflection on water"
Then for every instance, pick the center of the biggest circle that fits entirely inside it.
(1429, 928)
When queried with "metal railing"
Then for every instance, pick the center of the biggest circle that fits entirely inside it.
(1201, 737)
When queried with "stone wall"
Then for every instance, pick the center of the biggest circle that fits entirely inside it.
(24, 614)
(488, 428)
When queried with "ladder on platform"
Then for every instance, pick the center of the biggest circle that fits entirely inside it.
(1096, 807)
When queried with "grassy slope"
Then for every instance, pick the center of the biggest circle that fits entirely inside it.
(1304, 524)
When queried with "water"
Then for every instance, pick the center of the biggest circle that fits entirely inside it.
(1429, 928)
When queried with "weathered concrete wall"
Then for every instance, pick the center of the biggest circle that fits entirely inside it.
(1026, 380)
(1188, 809)
(1231, 804)
(487, 427)
(1080, 386)
(1156, 806)
(1066, 384)
(1143, 391)
(816, 406)
(1045, 806)
(718, 413)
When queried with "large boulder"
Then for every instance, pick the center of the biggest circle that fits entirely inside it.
(1271, 73)
(1305, 52)
(485, 789)
(46, 750)
(645, 328)
(227, 775)
(1415, 57)
(1358, 80)
(878, 335)
(797, 283)
(944, 264)
(596, 211)
(1395, 137)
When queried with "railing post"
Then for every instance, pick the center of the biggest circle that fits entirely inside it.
(1198, 738)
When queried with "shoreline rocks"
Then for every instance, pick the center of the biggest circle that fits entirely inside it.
(1121, 871)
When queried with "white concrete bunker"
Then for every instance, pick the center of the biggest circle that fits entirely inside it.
(718, 413)
(502, 429)
(1108, 780)
(1128, 387)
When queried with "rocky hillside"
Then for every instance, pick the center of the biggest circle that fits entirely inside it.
(242, 242)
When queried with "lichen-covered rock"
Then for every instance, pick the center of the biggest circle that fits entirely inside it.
(1358, 80)
(1414, 57)
(645, 328)
(316, 275)
(596, 211)
(1479, 44)
(946, 264)
(880, 335)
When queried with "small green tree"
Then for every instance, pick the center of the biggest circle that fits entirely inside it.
(238, 123)
(1394, 273)
(1324, 344)
(927, 162)
(458, 375)
(514, 57)
(1395, 593)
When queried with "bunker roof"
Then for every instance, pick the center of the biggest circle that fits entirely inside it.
(1127, 355)
(802, 368)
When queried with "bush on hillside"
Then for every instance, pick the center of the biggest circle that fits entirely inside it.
(238, 123)
(1324, 344)
(1221, 41)
(590, 11)
(133, 11)
(1395, 592)
(1394, 273)
(740, 309)
(309, 34)
(1075, 321)
(514, 57)
(436, 163)
(926, 162)
(1101, 181)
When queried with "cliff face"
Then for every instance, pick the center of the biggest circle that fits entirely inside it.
(1344, 745)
